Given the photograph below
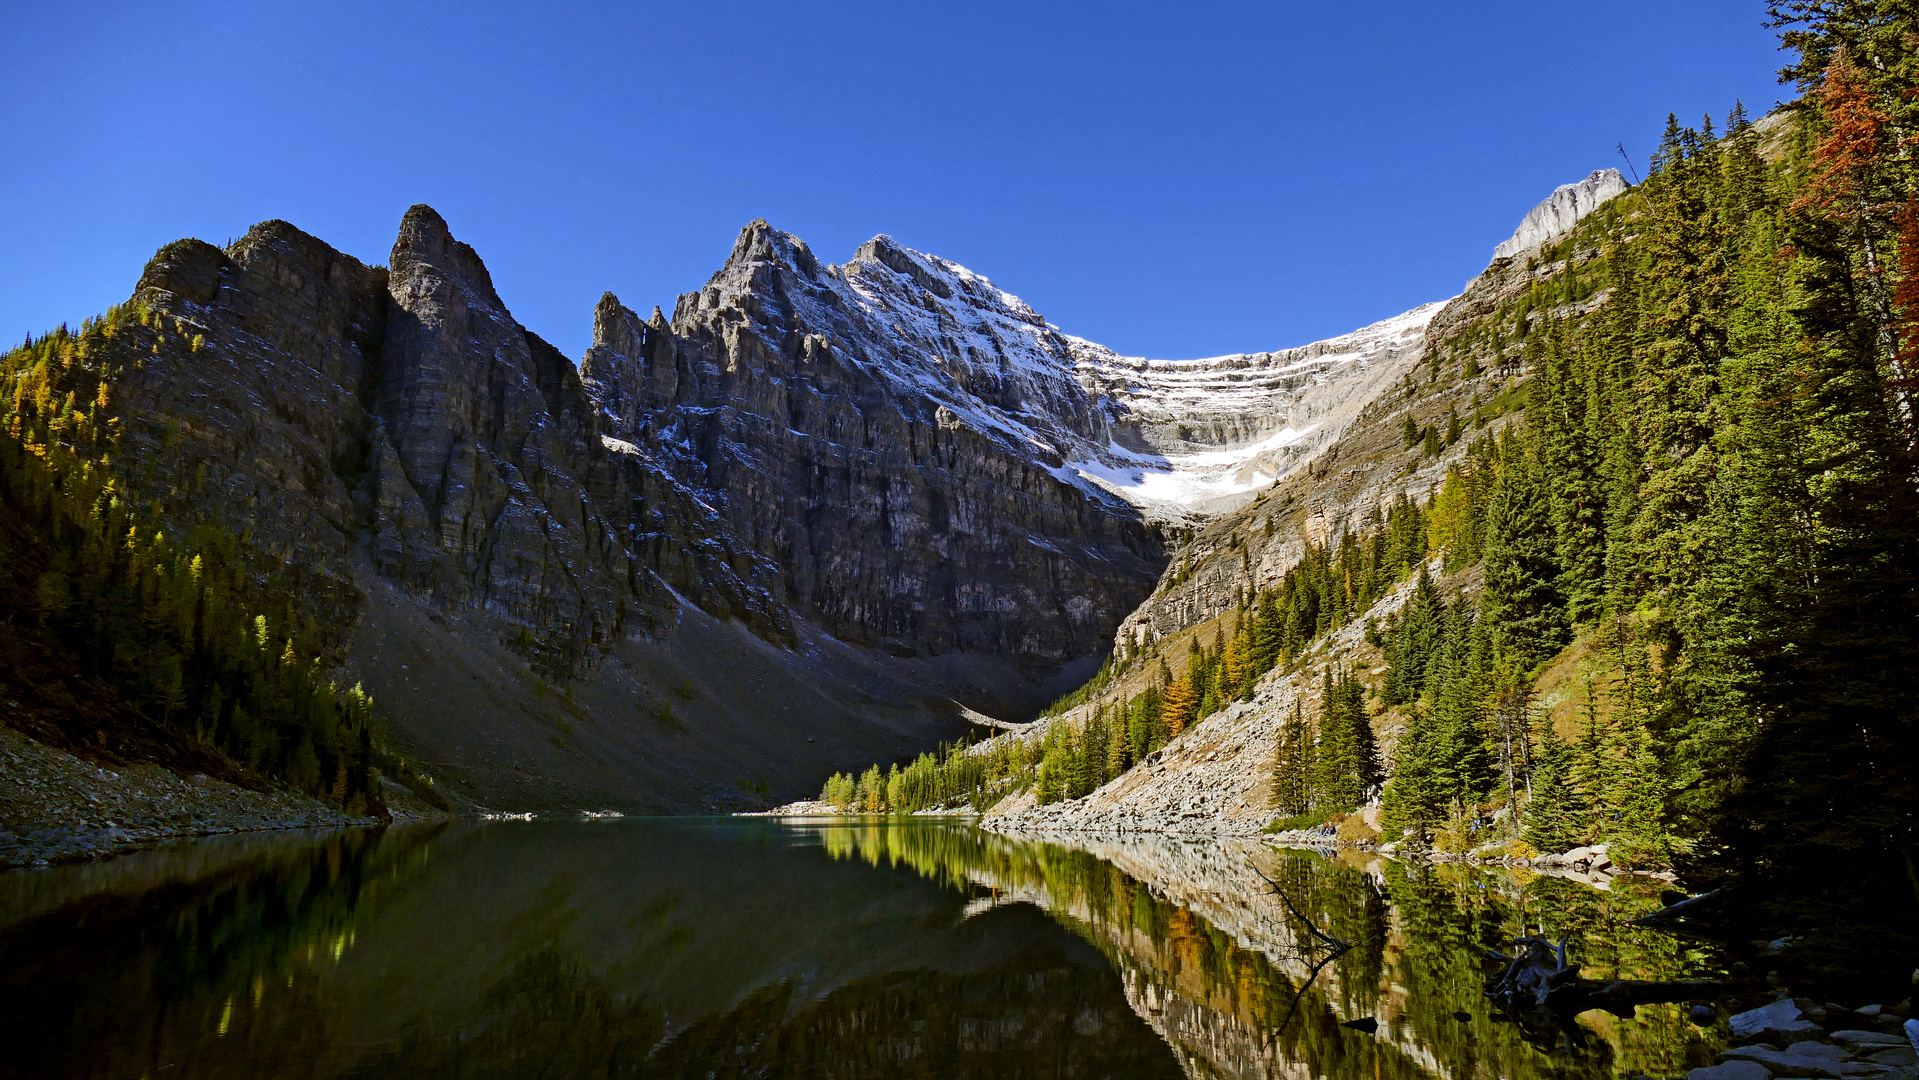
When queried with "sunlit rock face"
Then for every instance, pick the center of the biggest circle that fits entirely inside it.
(921, 461)
(883, 437)
(1559, 212)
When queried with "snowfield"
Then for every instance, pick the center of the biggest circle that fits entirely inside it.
(1178, 439)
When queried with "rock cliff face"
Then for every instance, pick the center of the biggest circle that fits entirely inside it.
(880, 436)
(1560, 211)
(885, 488)
(342, 418)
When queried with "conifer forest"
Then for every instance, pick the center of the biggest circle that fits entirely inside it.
(1576, 610)
(1709, 501)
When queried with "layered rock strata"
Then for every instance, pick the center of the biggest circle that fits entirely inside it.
(1556, 215)
(866, 433)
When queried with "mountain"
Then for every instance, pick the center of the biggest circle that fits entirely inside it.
(823, 512)
(1556, 215)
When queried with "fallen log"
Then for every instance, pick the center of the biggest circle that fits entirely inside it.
(1683, 907)
(1537, 978)
(1621, 996)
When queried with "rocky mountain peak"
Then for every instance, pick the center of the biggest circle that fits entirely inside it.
(187, 269)
(613, 370)
(425, 241)
(760, 243)
(612, 322)
(1556, 215)
(883, 250)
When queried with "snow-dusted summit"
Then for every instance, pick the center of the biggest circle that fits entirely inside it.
(1177, 439)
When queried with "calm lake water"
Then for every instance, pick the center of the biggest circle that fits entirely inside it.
(734, 947)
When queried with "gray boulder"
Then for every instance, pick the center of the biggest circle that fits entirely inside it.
(1732, 1070)
(1856, 1040)
(1804, 1059)
(1894, 1057)
(1781, 1018)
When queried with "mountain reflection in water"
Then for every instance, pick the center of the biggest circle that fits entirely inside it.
(747, 947)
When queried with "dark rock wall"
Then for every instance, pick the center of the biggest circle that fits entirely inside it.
(873, 511)
(342, 418)
(760, 455)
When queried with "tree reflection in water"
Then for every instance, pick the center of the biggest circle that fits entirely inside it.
(734, 947)
(1267, 995)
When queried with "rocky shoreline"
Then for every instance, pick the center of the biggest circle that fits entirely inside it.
(816, 808)
(1589, 864)
(56, 808)
(1802, 1037)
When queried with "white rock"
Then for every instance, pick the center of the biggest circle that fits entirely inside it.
(1780, 1016)
(1556, 216)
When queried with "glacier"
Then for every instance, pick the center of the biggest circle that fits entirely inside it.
(1177, 440)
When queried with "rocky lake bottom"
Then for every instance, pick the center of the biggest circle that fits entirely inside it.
(734, 946)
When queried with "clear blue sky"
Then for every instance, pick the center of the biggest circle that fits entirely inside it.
(1173, 180)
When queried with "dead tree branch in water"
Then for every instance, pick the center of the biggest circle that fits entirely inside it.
(1338, 946)
(1329, 939)
(1537, 977)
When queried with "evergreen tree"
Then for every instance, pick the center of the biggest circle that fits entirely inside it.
(1293, 767)
(1414, 798)
(1523, 608)
(1557, 817)
(1347, 765)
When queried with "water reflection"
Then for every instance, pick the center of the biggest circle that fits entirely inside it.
(727, 947)
(1215, 942)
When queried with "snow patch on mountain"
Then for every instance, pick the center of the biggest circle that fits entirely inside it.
(1207, 434)
(1177, 439)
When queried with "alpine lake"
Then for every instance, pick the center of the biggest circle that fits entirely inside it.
(735, 947)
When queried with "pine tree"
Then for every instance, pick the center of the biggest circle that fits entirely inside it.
(1523, 608)
(1557, 817)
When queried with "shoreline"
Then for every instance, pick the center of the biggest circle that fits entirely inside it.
(57, 809)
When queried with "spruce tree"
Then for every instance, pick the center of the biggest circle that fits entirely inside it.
(1348, 757)
(1524, 610)
(1413, 799)
(1557, 817)
(1293, 766)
